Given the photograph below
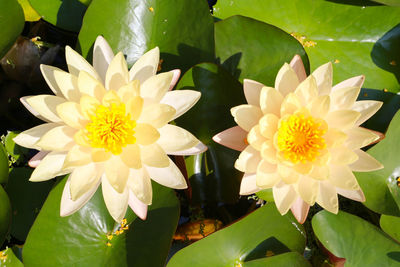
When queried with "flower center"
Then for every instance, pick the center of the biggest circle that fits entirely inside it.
(111, 128)
(300, 138)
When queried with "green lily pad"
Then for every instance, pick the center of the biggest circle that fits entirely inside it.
(26, 200)
(66, 14)
(81, 239)
(12, 23)
(336, 32)
(375, 185)
(388, 2)
(3, 165)
(16, 151)
(29, 13)
(251, 49)
(8, 258)
(348, 236)
(263, 232)
(391, 226)
(182, 29)
(5, 214)
(266, 194)
(292, 259)
(211, 174)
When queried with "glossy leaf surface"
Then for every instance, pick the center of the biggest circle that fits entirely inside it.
(251, 49)
(333, 31)
(348, 236)
(81, 239)
(11, 22)
(292, 259)
(182, 29)
(261, 232)
(9, 259)
(391, 226)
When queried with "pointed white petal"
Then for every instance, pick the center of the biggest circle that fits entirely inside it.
(367, 108)
(181, 100)
(138, 207)
(48, 74)
(356, 195)
(246, 116)
(169, 176)
(248, 185)
(174, 138)
(286, 80)
(327, 197)
(300, 210)
(176, 74)
(297, 65)
(146, 66)
(35, 160)
(252, 90)
(117, 73)
(365, 162)
(31, 136)
(102, 56)
(284, 196)
(117, 203)
(46, 106)
(197, 149)
(352, 82)
(82, 179)
(50, 167)
(323, 76)
(233, 138)
(140, 184)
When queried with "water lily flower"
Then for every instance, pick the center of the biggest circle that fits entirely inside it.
(302, 138)
(109, 125)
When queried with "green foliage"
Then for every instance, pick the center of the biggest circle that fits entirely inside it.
(11, 24)
(182, 29)
(348, 236)
(260, 233)
(333, 31)
(9, 259)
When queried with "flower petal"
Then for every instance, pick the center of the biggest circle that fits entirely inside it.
(46, 106)
(48, 74)
(88, 85)
(35, 160)
(252, 90)
(30, 137)
(117, 203)
(297, 65)
(268, 125)
(88, 106)
(156, 86)
(59, 138)
(82, 179)
(255, 138)
(352, 82)
(50, 167)
(146, 66)
(246, 116)
(129, 90)
(323, 76)
(30, 109)
(140, 184)
(233, 138)
(117, 73)
(68, 206)
(176, 74)
(169, 176)
(174, 138)
(344, 98)
(157, 115)
(99, 155)
(68, 85)
(248, 185)
(334, 138)
(76, 63)
(367, 108)
(307, 90)
(360, 137)
(319, 106)
(134, 107)
(342, 176)
(181, 100)
(300, 210)
(290, 104)
(146, 134)
(131, 156)
(248, 160)
(70, 113)
(308, 189)
(116, 173)
(268, 151)
(284, 196)
(138, 207)
(342, 156)
(102, 56)
(342, 119)
(356, 195)
(153, 155)
(327, 197)
(195, 150)
(365, 162)
(77, 156)
(267, 175)
(286, 80)
(270, 101)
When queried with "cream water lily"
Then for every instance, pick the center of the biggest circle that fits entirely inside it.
(109, 125)
(302, 138)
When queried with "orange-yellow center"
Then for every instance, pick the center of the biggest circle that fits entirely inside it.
(111, 128)
(300, 138)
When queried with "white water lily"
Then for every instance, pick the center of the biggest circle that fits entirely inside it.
(302, 138)
(109, 125)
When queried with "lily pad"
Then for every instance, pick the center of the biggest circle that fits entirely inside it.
(11, 22)
(182, 29)
(263, 232)
(292, 259)
(3, 165)
(8, 258)
(211, 174)
(12, 148)
(29, 13)
(333, 31)
(81, 239)
(66, 14)
(348, 236)
(26, 200)
(375, 185)
(252, 49)
(391, 226)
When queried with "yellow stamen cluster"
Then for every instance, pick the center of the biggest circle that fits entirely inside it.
(111, 128)
(300, 138)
